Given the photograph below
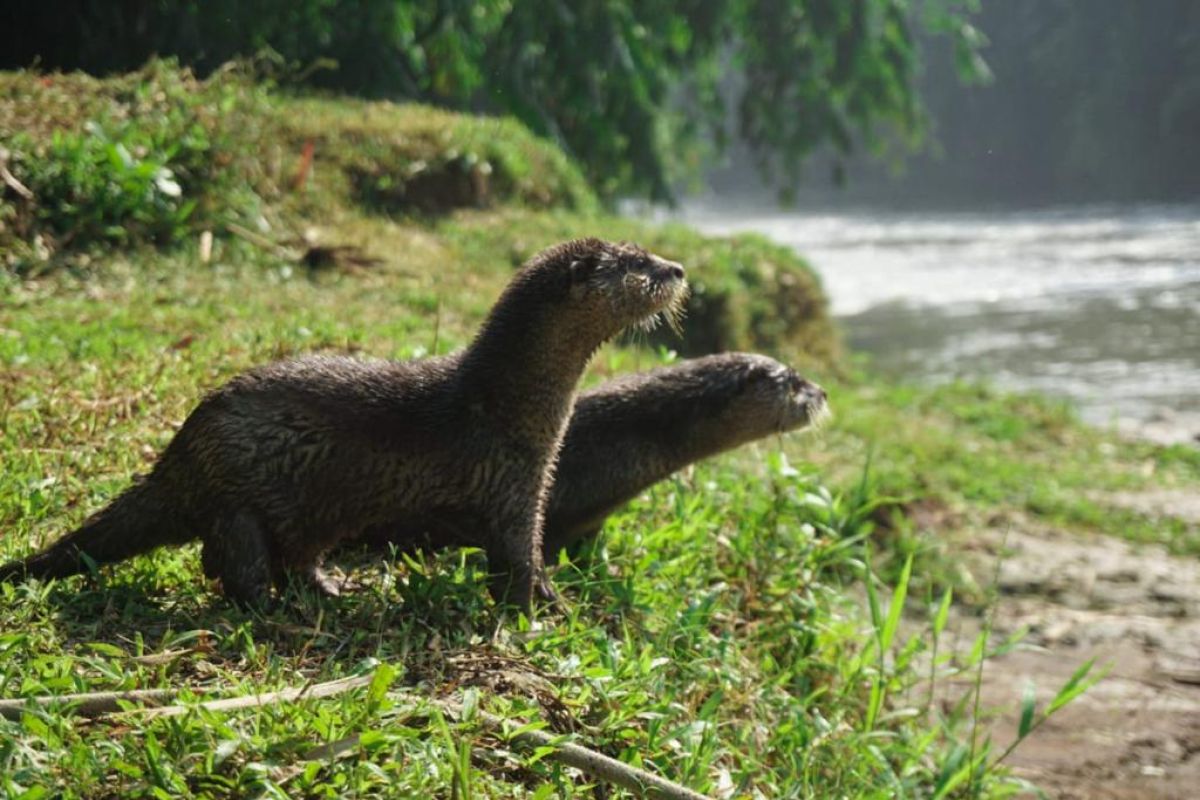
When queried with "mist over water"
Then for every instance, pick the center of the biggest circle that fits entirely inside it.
(1100, 304)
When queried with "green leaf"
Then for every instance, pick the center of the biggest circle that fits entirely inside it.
(872, 596)
(104, 648)
(381, 681)
(899, 594)
(1075, 686)
(943, 612)
(1028, 703)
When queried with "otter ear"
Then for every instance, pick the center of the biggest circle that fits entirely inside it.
(582, 268)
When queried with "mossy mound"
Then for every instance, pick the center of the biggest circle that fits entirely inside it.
(145, 158)
(156, 156)
(413, 158)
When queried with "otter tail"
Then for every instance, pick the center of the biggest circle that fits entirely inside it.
(139, 520)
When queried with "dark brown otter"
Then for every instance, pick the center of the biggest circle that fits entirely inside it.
(636, 430)
(285, 461)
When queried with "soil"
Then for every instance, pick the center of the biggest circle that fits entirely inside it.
(1136, 609)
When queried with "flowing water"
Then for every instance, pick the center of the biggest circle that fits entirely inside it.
(1097, 304)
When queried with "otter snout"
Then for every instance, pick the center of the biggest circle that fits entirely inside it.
(811, 392)
(813, 400)
(667, 270)
(806, 398)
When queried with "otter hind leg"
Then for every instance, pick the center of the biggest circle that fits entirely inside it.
(239, 555)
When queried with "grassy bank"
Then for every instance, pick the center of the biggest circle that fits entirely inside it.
(718, 635)
(715, 639)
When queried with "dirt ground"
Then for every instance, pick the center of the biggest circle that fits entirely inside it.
(1136, 734)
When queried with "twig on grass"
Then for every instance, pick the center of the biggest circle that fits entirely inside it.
(308, 691)
(90, 704)
(260, 241)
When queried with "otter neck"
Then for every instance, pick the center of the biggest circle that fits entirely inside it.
(685, 444)
(653, 439)
(525, 371)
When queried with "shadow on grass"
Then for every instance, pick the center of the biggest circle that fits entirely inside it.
(392, 608)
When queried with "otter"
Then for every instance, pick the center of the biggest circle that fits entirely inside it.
(285, 461)
(633, 431)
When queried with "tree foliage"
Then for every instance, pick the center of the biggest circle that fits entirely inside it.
(634, 90)
(1091, 100)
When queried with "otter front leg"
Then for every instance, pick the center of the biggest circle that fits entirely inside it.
(237, 553)
(518, 571)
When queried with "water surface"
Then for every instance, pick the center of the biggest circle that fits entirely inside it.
(1097, 304)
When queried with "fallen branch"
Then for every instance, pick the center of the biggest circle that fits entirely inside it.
(258, 240)
(313, 690)
(598, 765)
(91, 704)
(95, 704)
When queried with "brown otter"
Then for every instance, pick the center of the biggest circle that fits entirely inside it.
(636, 430)
(285, 461)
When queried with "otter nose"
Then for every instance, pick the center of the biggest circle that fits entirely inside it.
(808, 388)
(671, 268)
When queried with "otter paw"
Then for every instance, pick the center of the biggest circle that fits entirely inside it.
(546, 591)
(319, 580)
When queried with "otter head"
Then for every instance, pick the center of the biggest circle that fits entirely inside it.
(768, 397)
(625, 283)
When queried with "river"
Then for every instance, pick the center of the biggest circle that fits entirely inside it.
(1100, 304)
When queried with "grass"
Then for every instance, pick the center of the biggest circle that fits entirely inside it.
(718, 634)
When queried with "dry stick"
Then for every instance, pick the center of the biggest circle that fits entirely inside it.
(94, 704)
(638, 781)
(91, 704)
(10, 180)
(261, 241)
(598, 765)
(312, 690)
